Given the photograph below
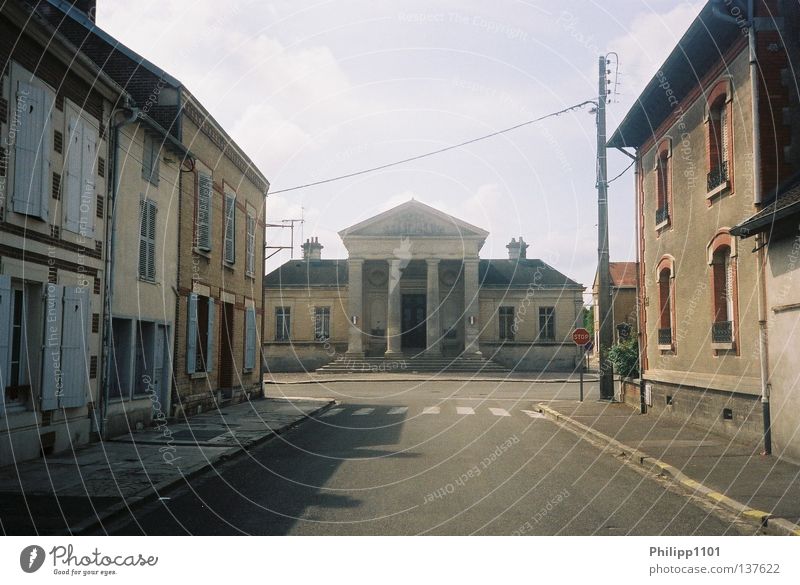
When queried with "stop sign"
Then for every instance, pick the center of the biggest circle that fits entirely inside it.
(581, 337)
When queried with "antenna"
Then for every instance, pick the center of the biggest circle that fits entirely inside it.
(285, 223)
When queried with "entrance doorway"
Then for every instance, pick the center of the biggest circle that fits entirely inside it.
(413, 322)
(226, 363)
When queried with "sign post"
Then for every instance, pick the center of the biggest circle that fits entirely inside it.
(582, 338)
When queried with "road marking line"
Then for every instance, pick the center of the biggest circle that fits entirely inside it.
(398, 410)
(363, 411)
(464, 410)
(499, 411)
(430, 410)
(533, 414)
(332, 412)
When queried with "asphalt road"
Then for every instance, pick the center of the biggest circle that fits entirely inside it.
(425, 458)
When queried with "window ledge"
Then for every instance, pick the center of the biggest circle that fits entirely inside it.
(204, 253)
(663, 224)
(718, 190)
(198, 375)
(665, 346)
(723, 346)
(146, 280)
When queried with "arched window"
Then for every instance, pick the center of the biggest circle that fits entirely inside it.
(719, 143)
(663, 169)
(666, 308)
(722, 258)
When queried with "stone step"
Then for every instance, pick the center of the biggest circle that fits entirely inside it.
(427, 364)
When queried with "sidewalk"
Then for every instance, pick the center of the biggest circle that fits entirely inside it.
(74, 491)
(763, 489)
(529, 377)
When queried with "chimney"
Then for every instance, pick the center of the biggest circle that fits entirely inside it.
(312, 249)
(88, 7)
(517, 250)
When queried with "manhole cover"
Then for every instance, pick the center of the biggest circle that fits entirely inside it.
(199, 435)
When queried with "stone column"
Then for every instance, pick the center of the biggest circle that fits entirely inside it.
(471, 308)
(355, 306)
(433, 330)
(393, 321)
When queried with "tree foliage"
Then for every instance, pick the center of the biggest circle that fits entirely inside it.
(625, 357)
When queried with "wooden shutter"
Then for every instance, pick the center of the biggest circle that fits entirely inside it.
(6, 304)
(75, 347)
(147, 240)
(52, 375)
(89, 141)
(32, 151)
(210, 338)
(74, 166)
(191, 335)
(251, 244)
(205, 190)
(250, 338)
(723, 130)
(230, 228)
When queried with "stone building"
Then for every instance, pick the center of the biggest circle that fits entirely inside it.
(414, 286)
(55, 110)
(697, 128)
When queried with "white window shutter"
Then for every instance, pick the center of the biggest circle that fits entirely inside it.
(191, 335)
(724, 138)
(6, 303)
(210, 340)
(75, 347)
(230, 229)
(205, 190)
(250, 338)
(147, 239)
(32, 151)
(89, 141)
(52, 376)
(251, 244)
(71, 196)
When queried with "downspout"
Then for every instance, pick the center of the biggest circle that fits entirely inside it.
(758, 198)
(639, 301)
(113, 189)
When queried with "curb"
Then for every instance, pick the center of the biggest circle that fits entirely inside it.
(770, 524)
(153, 491)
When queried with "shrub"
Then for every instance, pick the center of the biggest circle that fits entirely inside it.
(625, 357)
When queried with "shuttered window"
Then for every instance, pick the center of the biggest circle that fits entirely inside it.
(205, 190)
(230, 228)
(249, 338)
(32, 150)
(147, 240)
(80, 198)
(200, 334)
(251, 245)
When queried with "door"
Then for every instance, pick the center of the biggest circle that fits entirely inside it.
(226, 332)
(413, 322)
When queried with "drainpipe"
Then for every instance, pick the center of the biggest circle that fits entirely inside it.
(113, 190)
(639, 302)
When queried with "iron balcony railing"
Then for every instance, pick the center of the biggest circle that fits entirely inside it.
(722, 332)
(718, 176)
(662, 214)
(665, 336)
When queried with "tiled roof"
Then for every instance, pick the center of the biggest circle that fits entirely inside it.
(623, 274)
(786, 204)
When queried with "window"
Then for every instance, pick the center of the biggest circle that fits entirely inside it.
(547, 323)
(283, 323)
(200, 334)
(150, 159)
(718, 138)
(506, 318)
(722, 259)
(205, 191)
(229, 254)
(665, 308)
(32, 147)
(80, 203)
(663, 186)
(147, 240)
(251, 245)
(322, 323)
(250, 340)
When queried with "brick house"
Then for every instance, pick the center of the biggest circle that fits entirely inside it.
(220, 224)
(693, 129)
(55, 110)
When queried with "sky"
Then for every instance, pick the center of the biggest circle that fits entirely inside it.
(312, 90)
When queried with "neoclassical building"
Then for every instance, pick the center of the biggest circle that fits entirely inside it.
(414, 287)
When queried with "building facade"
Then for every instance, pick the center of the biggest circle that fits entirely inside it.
(55, 108)
(693, 129)
(414, 285)
(624, 311)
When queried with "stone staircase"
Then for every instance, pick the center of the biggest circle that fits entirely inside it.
(411, 364)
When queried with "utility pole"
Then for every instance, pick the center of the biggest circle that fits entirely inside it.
(603, 296)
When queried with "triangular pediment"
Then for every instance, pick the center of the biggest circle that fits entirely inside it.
(414, 219)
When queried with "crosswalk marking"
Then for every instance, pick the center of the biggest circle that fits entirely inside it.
(499, 412)
(430, 410)
(363, 411)
(533, 414)
(332, 412)
(398, 410)
(464, 410)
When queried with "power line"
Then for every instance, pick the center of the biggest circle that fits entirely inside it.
(622, 173)
(434, 152)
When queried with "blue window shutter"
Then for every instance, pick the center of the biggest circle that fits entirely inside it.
(210, 341)
(230, 229)
(205, 189)
(5, 329)
(250, 339)
(51, 348)
(72, 184)
(88, 182)
(191, 335)
(32, 151)
(75, 347)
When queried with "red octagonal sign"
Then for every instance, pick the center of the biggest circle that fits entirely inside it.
(581, 336)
